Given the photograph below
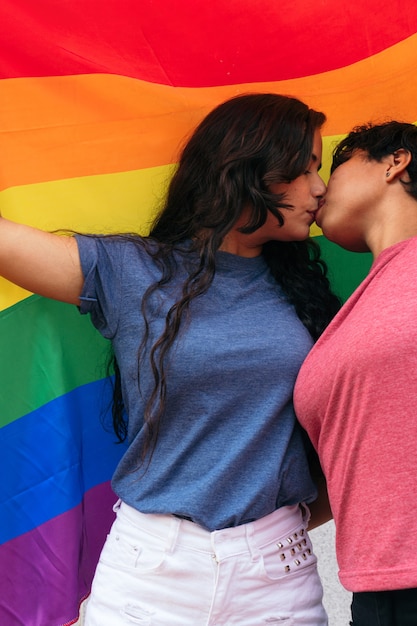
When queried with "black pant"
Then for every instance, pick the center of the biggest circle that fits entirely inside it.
(385, 608)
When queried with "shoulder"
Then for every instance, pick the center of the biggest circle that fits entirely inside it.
(113, 246)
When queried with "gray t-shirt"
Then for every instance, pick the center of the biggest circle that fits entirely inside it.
(229, 449)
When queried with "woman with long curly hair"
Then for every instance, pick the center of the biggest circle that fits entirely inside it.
(210, 317)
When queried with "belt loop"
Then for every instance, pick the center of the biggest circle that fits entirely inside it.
(117, 506)
(305, 511)
(172, 535)
(249, 536)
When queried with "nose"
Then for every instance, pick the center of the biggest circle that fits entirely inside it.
(320, 186)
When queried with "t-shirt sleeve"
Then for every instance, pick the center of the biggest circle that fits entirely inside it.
(101, 262)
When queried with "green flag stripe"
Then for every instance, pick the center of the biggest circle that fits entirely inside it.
(48, 350)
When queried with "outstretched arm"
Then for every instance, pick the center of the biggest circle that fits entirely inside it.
(44, 263)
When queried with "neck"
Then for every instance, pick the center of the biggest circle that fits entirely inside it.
(398, 223)
(234, 245)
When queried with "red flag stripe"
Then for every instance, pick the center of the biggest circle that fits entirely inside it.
(195, 43)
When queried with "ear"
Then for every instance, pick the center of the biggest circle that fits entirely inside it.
(397, 164)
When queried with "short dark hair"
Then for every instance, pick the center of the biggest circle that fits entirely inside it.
(378, 141)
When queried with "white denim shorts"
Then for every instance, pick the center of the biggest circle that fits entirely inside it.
(160, 570)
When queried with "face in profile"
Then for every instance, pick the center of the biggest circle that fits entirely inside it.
(353, 190)
(304, 194)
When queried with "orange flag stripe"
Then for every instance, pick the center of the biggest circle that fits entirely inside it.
(98, 123)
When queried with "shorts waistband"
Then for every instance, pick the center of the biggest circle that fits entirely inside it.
(287, 524)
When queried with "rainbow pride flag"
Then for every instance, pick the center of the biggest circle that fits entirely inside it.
(95, 101)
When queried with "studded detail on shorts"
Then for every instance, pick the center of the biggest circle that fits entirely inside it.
(294, 550)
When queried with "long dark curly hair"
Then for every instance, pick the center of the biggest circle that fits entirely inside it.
(233, 157)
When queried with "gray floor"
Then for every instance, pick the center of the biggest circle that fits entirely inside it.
(336, 598)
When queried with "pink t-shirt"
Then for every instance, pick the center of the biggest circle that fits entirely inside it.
(356, 395)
